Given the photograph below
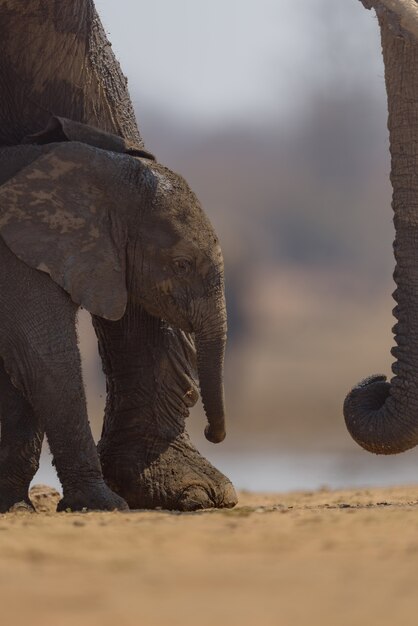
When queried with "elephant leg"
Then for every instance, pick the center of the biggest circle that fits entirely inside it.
(145, 452)
(20, 444)
(70, 440)
(59, 396)
(51, 381)
(38, 346)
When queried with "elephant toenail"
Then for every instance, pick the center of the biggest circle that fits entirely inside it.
(194, 498)
(229, 498)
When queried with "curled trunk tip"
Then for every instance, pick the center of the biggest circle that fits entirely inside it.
(371, 421)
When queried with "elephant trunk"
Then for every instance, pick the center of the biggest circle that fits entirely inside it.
(383, 417)
(210, 348)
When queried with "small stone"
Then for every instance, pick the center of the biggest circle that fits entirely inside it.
(44, 498)
(21, 507)
(78, 522)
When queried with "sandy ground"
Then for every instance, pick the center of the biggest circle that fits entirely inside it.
(328, 558)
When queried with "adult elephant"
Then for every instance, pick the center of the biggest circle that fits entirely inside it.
(55, 59)
(383, 417)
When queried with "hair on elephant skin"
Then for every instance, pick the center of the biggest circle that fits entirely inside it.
(88, 219)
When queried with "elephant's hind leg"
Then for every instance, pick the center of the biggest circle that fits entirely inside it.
(20, 444)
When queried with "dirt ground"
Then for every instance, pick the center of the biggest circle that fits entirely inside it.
(324, 558)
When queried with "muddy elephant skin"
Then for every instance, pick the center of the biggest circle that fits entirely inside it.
(106, 226)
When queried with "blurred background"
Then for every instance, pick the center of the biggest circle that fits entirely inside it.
(275, 113)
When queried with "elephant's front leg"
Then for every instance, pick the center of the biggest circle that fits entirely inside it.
(20, 445)
(38, 346)
(145, 452)
(59, 397)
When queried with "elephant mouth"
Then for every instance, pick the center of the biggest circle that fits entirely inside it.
(166, 310)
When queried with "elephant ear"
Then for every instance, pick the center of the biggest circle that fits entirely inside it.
(62, 129)
(58, 216)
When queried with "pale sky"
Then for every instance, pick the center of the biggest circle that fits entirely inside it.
(226, 59)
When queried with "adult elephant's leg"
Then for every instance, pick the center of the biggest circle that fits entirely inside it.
(145, 452)
(20, 444)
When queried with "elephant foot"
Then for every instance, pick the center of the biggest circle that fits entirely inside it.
(88, 498)
(166, 475)
(13, 498)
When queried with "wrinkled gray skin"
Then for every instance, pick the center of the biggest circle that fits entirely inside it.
(381, 416)
(54, 59)
(104, 226)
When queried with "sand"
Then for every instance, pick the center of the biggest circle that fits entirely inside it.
(328, 558)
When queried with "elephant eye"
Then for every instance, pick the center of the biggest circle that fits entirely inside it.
(182, 266)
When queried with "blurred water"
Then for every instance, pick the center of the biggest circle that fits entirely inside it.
(287, 472)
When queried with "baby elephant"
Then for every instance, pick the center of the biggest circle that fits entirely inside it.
(87, 220)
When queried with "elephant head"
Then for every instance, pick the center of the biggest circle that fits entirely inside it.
(109, 224)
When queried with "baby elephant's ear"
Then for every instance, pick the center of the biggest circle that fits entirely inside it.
(59, 215)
